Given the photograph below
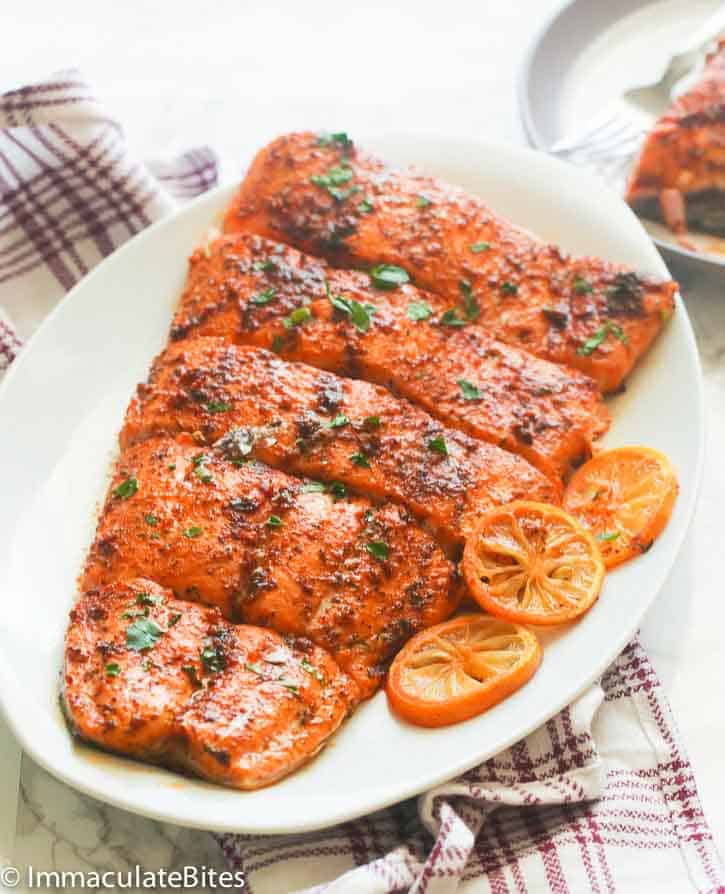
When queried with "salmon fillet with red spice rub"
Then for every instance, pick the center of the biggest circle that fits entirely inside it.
(252, 291)
(170, 682)
(311, 422)
(324, 195)
(268, 549)
(680, 173)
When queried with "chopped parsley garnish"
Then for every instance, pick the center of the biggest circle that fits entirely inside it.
(469, 390)
(191, 673)
(478, 247)
(203, 474)
(113, 669)
(419, 310)
(372, 422)
(450, 318)
(340, 139)
(365, 207)
(359, 459)
(174, 619)
(200, 470)
(274, 521)
(277, 343)
(213, 659)
(265, 266)
(171, 467)
(151, 519)
(337, 489)
(582, 286)
(360, 314)
(608, 536)
(142, 634)
(297, 317)
(379, 549)
(388, 277)
(313, 671)
(422, 202)
(470, 303)
(336, 176)
(339, 195)
(339, 421)
(592, 343)
(509, 288)
(218, 406)
(334, 179)
(192, 532)
(438, 445)
(263, 297)
(291, 686)
(148, 599)
(126, 489)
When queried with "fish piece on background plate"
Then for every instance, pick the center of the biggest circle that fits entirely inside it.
(679, 176)
(323, 195)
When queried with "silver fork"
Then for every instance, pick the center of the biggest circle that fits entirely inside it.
(610, 139)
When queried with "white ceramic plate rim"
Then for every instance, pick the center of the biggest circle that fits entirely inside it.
(526, 73)
(139, 788)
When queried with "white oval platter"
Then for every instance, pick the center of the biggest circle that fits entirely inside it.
(62, 404)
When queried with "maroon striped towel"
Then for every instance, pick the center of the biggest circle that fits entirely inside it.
(600, 799)
(70, 194)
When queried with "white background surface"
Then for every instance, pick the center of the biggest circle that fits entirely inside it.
(233, 74)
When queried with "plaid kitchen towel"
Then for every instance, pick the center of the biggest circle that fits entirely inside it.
(70, 194)
(601, 799)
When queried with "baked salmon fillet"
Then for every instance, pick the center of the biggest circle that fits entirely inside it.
(268, 549)
(311, 422)
(680, 174)
(325, 196)
(170, 682)
(252, 291)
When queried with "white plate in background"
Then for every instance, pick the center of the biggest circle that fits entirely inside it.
(585, 57)
(66, 395)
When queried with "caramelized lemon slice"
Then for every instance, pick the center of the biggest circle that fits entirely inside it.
(624, 497)
(458, 669)
(532, 563)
